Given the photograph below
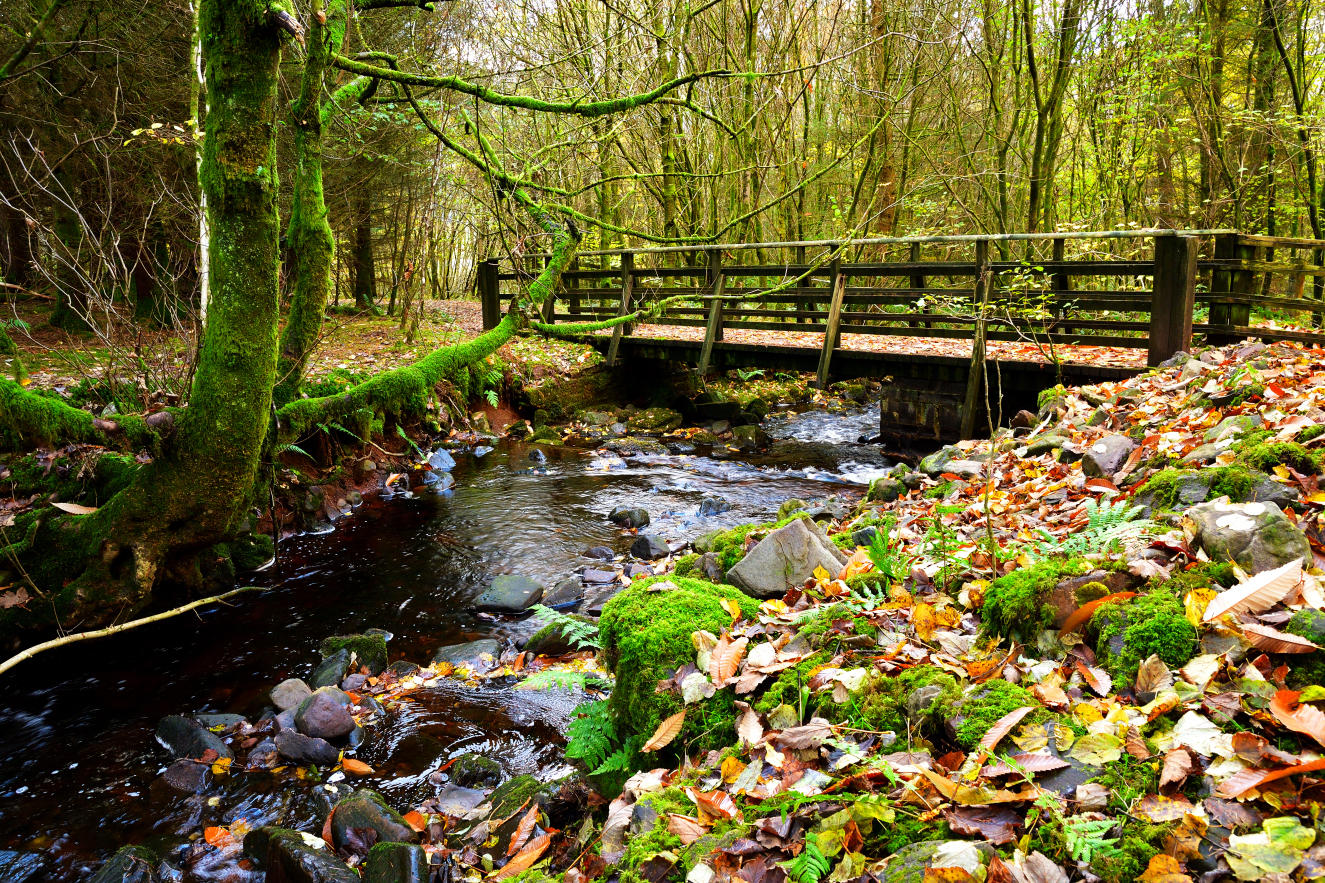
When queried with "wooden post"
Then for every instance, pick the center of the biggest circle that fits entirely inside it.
(1173, 298)
(1231, 281)
(713, 332)
(832, 332)
(917, 280)
(489, 293)
(979, 297)
(627, 285)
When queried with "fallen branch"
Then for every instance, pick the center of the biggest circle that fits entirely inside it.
(115, 629)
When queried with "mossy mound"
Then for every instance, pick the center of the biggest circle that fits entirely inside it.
(1308, 669)
(366, 650)
(1258, 452)
(1014, 604)
(646, 636)
(1165, 489)
(982, 707)
(1130, 631)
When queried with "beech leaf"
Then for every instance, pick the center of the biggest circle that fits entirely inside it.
(1305, 719)
(526, 857)
(685, 827)
(666, 732)
(1083, 613)
(726, 658)
(74, 508)
(1003, 726)
(1256, 593)
(1271, 640)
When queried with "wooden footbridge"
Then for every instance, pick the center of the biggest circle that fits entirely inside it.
(939, 318)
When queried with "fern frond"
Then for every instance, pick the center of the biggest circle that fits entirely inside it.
(591, 734)
(810, 866)
(554, 680)
(582, 635)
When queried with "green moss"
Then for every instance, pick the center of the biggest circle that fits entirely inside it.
(1151, 624)
(1138, 843)
(1091, 591)
(251, 551)
(1235, 482)
(1311, 432)
(984, 705)
(939, 491)
(369, 650)
(687, 565)
(1246, 394)
(786, 688)
(646, 637)
(1307, 669)
(888, 839)
(1014, 604)
(1046, 396)
(1257, 452)
(1128, 779)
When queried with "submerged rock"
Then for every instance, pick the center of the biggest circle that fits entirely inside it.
(300, 748)
(289, 693)
(1258, 536)
(480, 655)
(786, 557)
(476, 771)
(629, 516)
(185, 737)
(649, 547)
(366, 810)
(510, 593)
(131, 864)
(396, 863)
(292, 857)
(22, 867)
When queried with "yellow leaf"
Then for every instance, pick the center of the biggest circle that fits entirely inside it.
(733, 609)
(1164, 869)
(731, 769)
(1195, 603)
(666, 732)
(922, 618)
(1087, 713)
(221, 766)
(822, 575)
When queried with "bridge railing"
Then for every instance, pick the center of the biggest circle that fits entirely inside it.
(1142, 289)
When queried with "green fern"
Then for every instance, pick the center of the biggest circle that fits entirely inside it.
(1085, 838)
(1108, 524)
(582, 635)
(492, 397)
(622, 760)
(554, 680)
(291, 446)
(810, 866)
(418, 451)
(889, 562)
(592, 734)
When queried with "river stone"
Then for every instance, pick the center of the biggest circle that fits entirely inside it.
(441, 460)
(654, 420)
(331, 671)
(289, 693)
(885, 489)
(454, 800)
(710, 567)
(218, 721)
(131, 864)
(476, 771)
(510, 593)
(1107, 456)
(1256, 535)
(291, 857)
(564, 594)
(295, 746)
(368, 649)
(786, 557)
(864, 536)
(185, 737)
(937, 462)
(367, 810)
(596, 577)
(633, 446)
(325, 714)
(470, 654)
(749, 436)
(550, 640)
(649, 547)
(602, 553)
(713, 505)
(1238, 424)
(396, 863)
(514, 793)
(27, 867)
(188, 776)
(632, 516)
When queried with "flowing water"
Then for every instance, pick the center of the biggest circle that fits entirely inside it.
(79, 768)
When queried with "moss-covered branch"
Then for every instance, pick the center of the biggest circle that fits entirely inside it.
(528, 102)
(30, 418)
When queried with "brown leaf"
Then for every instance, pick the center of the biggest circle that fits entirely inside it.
(726, 658)
(525, 859)
(1003, 726)
(1304, 719)
(748, 727)
(811, 735)
(1086, 611)
(522, 831)
(1177, 767)
(356, 767)
(666, 732)
(1163, 869)
(16, 598)
(1257, 593)
(718, 804)
(1135, 745)
(1153, 675)
(74, 508)
(1031, 763)
(1256, 749)
(685, 827)
(1243, 781)
(997, 824)
(1097, 678)
(1272, 640)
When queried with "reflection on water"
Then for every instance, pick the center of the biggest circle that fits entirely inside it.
(78, 765)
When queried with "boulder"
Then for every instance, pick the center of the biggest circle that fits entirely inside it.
(749, 436)
(188, 776)
(713, 505)
(396, 863)
(564, 594)
(1238, 424)
(480, 655)
(294, 745)
(885, 489)
(441, 460)
(633, 446)
(786, 557)
(332, 670)
(510, 593)
(654, 420)
(864, 536)
(632, 516)
(289, 693)
(28, 867)
(131, 864)
(291, 857)
(937, 462)
(325, 714)
(367, 650)
(1067, 597)
(648, 547)
(710, 567)
(1107, 456)
(366, 810)
(1051, 442)
(476, 771)
(1256, 535)
(602, 553)
(185, 737)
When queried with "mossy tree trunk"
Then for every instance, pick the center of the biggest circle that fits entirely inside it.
(194, 493)
(365, 265)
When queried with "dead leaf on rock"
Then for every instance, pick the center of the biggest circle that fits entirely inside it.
(666, 732)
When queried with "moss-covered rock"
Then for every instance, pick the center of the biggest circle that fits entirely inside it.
(365, 650)
(1132, 630)
(645, 632)
(1014, 604)
(983, 705)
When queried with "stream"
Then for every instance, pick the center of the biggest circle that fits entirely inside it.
(79, 766)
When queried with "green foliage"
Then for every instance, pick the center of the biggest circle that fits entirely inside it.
(551, 679)
(890, 564)
(980, 709)
(335, 381)
(583, 635)
(810, 866)
(1127, 780)
(940, 542)
(592, 737)
(1086, 838)
(1109, 523)
(1267, 455)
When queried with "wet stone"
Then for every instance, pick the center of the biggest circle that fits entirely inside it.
(455, 800)
(21, 867)
(713, 505)
(649, 547)
(331, 671)
(306, 749)
(510, 593)
(132, 864)
(185, 737)
(366, 810)
(476, 771)
(289, 693)
(602, 553)
(470, 654)
(367, 650)
(325, 714)
(593, 576)
(564, 594)
(396, 863)
(290, 858)
(188, 776)
(217, 722)
(629, 516)
(354, 682)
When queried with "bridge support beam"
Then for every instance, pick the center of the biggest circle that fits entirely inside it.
(1173, 298)
(832, 331)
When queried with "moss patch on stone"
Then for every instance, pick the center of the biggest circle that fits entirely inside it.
(1014, 604)
(1130, 631)
(985, 704)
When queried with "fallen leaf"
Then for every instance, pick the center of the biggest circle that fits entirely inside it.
(725, 659)
(522, 831)
(1163, 869)
(357, 767)
(1271, 640)
(1153, 675)
(1097, 749)
(687, 828)
(217, 837)
(416, 820)
(997, 824)
(1177, 767)
(1003, 726)
(924, 621)
(74, 508)
(1083, 613)
(525, 858)
(1277, 848)
(666, 732)
(1241, 782)
(1256, 593)
(1305, 719)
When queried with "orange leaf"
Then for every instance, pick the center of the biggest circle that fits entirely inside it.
(1304, 719)
(924, 621)
(1003, 726)
(523, 830)
(1164, 869)
(1086, 611)
(217, 837)
(357, 767)
(685, 827)
(525, 859)
(1243, 781)
(666, 732)
(416, 820)
(725, 659)
(1272, 640)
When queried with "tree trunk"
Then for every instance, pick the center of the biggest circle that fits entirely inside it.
(365, 267)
